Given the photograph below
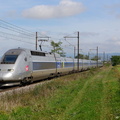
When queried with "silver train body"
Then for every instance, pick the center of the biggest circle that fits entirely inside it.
(23, 66)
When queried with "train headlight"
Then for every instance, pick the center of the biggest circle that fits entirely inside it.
(8, 75)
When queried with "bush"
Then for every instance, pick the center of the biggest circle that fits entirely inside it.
(115, 60)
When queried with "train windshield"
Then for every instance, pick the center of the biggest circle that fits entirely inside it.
(9, 59)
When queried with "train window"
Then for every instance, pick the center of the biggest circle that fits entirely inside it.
(37, 53)
(9, 59)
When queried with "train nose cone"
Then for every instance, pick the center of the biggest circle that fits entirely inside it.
(5, 76)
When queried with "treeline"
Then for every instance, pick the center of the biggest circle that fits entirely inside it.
(115, 60)
(81, 56)
(87, 57)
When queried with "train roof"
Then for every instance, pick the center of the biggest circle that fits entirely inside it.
(33, 52)
(17, 51)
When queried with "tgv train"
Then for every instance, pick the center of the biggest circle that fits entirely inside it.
(24, 66)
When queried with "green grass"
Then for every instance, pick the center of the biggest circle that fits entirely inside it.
(91, 95)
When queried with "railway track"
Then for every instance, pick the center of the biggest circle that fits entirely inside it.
(17, 88)
(13, 87)
(4, 89)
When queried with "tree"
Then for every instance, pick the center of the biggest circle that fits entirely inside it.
(81, 56)
(57, 48)
(96, 58)
(115, 60)
(86, 57)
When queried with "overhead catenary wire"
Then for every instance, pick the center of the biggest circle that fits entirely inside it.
(14, 26)
(13, 38)
(16, 33)
(10, 31)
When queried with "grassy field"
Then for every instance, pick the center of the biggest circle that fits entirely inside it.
(90, 95)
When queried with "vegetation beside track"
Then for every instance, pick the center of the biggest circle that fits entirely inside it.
(90, 95)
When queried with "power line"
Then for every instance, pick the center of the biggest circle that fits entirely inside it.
(10, 31)
(14, 26)
(13, 37)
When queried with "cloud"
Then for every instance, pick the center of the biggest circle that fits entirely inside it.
(63, 9)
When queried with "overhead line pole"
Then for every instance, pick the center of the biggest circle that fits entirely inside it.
(96, 55)
(103, 57)
(77, 46)
(36, 40)
(36, 43)
(78, 52)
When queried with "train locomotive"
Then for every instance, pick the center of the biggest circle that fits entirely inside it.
(22, 66)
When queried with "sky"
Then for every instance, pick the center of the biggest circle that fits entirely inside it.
(98, 23)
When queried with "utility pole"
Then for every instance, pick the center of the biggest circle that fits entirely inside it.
(88, 55)
(78, 53)
(77, 48)
(74, 52)
(96, 55)
(103, 57)
(36, 40)
(40, 40)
